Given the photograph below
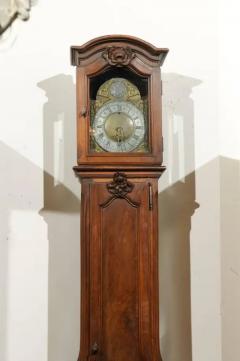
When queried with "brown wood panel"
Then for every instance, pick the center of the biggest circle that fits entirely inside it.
(120, 243)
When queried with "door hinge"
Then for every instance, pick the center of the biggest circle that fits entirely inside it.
(84, 112)
(150, 196)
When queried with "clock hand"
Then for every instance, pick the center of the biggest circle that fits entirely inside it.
(119, 134)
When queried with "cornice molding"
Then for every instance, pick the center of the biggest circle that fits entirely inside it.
(117, 50)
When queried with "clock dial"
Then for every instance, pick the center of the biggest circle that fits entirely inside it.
(118, 118)
(118, 125)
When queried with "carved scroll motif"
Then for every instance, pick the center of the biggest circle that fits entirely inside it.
(118, 56)
(119, 188)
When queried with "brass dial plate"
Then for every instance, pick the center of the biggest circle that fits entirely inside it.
(114, 114)
(119, 127)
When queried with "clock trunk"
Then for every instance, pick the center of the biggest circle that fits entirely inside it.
(119, 319)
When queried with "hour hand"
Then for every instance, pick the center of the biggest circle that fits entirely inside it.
(119, 134)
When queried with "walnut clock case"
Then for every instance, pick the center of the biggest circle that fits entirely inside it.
(119, 153)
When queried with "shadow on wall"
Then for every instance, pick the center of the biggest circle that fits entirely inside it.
(176, 206)
(230, 263)
(21, 267)
(13, 185)
(23, 244)
(21, 190)
(61, 213)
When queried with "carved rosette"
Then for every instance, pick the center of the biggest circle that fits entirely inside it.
(118, 56)
(120, 186)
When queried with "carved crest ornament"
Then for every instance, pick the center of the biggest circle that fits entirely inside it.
(119, 188)
(118, 56)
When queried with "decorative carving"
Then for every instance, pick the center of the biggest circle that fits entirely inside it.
(118, 50)
(120, 186)
(118, 56)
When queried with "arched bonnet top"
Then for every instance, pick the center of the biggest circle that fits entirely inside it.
(117, 50)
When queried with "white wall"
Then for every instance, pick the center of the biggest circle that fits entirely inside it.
(40, 196)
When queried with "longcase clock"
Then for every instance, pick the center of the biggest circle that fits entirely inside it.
(119, 161)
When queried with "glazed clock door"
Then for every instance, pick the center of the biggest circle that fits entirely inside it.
(122, 277)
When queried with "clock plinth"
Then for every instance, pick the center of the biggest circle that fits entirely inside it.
(119, 163)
